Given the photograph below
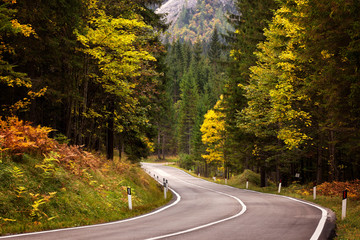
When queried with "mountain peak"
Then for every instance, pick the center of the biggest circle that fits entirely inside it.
(190, 20)
(172, 8)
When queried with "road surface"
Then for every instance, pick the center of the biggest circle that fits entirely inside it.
(205, 210)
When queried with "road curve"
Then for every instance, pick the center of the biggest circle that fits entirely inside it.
(205, 210)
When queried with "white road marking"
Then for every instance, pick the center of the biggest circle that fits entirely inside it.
(315, 235)
(322, 221)
(243, 209)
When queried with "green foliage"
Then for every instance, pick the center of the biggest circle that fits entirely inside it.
(48, 164)
(249, 32)
(187, 111)
(297, 93)
(186, 161)
(195, 86)
(247, 175)
(61, 138)
(89, 69)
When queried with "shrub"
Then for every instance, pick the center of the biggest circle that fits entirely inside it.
(18, 137)
(336, 188)
(252, 177)
(186, 161)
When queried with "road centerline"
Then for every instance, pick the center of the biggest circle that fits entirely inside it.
(243, 210)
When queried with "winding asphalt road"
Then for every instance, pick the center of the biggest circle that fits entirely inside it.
(205, 210)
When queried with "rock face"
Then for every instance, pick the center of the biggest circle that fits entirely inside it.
(190, 20)
(173, 8)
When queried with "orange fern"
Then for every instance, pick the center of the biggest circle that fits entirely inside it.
(18, 137)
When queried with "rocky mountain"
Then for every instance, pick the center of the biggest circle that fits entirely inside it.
(190, 20)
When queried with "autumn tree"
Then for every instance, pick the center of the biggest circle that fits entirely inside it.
(213, 136)
(16, 87)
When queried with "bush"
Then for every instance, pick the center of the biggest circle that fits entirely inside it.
(186, 161)
(247, 175)
(18, 137)
(336, 188)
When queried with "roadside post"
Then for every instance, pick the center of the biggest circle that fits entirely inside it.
(279, 190)
(344, 201)
(226, 181)
(129, 197)
(247, 183)
(164, 182)
(314, 190)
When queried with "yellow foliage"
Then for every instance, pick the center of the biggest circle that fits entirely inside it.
(24, 29)
(213, 131)
(7, 219)
(326, 55)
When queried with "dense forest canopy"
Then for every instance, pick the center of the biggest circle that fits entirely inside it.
(97, 61)
(288, 92)
(272, 85)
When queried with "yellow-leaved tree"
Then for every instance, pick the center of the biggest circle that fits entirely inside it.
(10, 78)
(213, 135)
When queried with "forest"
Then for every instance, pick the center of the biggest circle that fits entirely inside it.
(277, 93)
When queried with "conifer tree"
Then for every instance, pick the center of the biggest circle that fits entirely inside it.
(249, 25)
(187, 111)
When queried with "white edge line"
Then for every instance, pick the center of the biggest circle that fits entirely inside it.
(99, 225)
(322, 220)
(243, 210)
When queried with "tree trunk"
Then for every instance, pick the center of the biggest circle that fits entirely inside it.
(163, 147)
(84, 103)
(206, 169)
(69, 118)
(158, 144)
(334, 172)
(121, 146)
(319, 167)
(110, 134)
(262, 176)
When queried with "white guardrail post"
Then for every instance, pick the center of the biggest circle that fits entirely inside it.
(164, 182)
(279, 190)
(129, 198)
(344, 202)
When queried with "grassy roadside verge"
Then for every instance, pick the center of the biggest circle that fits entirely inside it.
(48, 185)
(30, 201)
(347, 229)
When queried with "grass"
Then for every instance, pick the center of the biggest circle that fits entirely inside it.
(168, 159)
(32, 199)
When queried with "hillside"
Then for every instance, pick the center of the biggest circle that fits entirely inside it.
(190, 20)
(48, 185)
